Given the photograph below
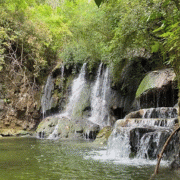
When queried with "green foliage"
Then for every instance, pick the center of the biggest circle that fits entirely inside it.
(35, 34)
(98, 2)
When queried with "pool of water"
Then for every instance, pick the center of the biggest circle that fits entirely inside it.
(37, 159)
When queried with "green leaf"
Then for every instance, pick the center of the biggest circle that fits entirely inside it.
(98, 2)
(155, 47)
(159, 29)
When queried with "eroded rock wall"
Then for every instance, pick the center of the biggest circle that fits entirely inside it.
(19, 106)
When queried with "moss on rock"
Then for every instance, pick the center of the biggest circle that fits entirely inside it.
(103, 135)
(155, 79)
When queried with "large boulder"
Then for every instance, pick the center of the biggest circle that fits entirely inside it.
(155, 79)
(157, 89)
(63, 127)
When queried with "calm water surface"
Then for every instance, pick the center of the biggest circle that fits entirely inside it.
(35, 159)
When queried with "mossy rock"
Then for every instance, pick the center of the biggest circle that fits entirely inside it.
(47, 125)
(155, 79)
(65, 126)
(103, 135)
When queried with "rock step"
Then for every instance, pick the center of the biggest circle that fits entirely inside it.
(139, 122)
(160, 112)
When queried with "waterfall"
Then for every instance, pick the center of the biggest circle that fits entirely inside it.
(46, 100)
(118, 144)
(47, 95)
(145, 143)
(160, 112)
(143, 138)
(99, 98)
(77, 88)
(62, 71)
(54, 134)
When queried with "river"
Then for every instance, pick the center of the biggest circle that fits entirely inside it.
(37, 159)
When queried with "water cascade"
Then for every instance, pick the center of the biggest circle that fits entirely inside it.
(142, 134)
(77, 88)
(99, 98)
(46, 99)
(62, 71)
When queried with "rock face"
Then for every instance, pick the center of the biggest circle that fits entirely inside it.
(19, 113)
(157, 89)
(153, 137)
(155, 79)
(19, 104)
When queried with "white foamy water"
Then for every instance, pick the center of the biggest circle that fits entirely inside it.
(121, 149)
(77, 87)
(46, 99)
(99, 98)
(113, 157)
(54, 134)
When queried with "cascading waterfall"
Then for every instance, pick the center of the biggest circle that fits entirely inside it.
(138, 141)
(144, 144)
(144, 137)
(46, 99)
(77, 87)
(62, 71)
(160, 112)
(99, 98)
(118, 144)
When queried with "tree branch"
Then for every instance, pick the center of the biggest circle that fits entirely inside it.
(162, 151)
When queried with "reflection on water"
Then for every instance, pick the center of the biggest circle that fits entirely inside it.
(34, 159)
